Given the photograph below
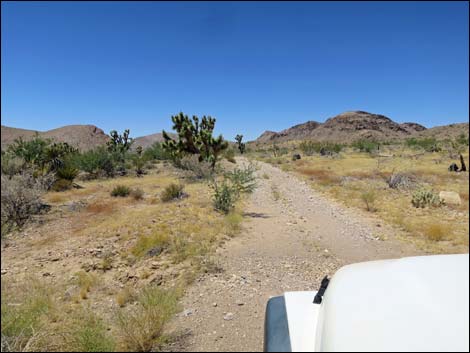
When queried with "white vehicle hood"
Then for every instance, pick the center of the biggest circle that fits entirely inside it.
(410, 304)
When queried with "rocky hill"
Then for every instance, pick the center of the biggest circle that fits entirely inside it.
(83, 137)
(351, 126)
(149, 140)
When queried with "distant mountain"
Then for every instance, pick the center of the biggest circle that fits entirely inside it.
(149, 140)
(351, 126)
(84, 137)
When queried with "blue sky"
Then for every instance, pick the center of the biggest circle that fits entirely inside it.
(254, 66)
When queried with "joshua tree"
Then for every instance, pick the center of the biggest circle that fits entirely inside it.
(119, 143)
(195, 137)
(241, 145)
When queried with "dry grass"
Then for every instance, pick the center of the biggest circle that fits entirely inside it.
(436, 232)
(100, 207)
(124, 296)
(353, 175)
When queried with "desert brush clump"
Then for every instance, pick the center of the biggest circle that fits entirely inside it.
(225, 196)
(425, 197)
(243, 179)
(369, 197)
(20, 199)
(142, 327)
(173, 191)
(400, 181)
(120, 191)
(137, 194)
(234, 183)
(309, 148)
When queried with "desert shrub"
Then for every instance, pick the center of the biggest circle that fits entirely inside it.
(425, 197)
(126, 295)
(429, 144)
(172, 192)
(142, 326)
(12, 164)
(225, 196)
(61, 185)
(462, 139)
(233, 221)
(400, 181)
(198, 170)
(21, 323)
(278, 151)
(138, 163)
(367, 146)
(88, 333)
(369, 197)
(96, 162)
(243, 179)
(20, 199)
(159, 240)
(156, 152)
(137, 193)
(121, 191)
(435, 232)
(229, 155)
(309, 148)
(67, 172)
(32, 151)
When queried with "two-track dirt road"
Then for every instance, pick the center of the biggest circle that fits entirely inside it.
(292, 237)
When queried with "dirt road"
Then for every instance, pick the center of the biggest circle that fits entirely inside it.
(292, 237)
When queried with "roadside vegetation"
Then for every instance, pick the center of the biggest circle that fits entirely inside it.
(112, 235)
(398, 182)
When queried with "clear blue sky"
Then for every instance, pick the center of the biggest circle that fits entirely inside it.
(254, 66)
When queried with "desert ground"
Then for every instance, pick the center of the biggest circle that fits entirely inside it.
(132, 250)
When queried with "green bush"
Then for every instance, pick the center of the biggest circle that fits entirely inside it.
(121, 191)
(243, 179)
(32, 151)
(88, 333)
(97, 161)
(309, 148)
(11, 164)
(366, 145)
(156, 152)
(198, 170)
(142, 326)
(62, 185)
(225, 196)
(67, 172)
(369, 197)
(425, 197)
(429, 144)
(172, 192)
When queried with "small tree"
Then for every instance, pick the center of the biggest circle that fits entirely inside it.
(241, 145)
(195, 137)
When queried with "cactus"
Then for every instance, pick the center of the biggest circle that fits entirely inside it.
(194, 137)
(425, 197)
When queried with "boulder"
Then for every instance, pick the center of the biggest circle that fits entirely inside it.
(450, 197)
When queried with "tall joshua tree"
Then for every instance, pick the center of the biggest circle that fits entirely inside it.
(119, 143)
(195, 137)
(241, 145)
